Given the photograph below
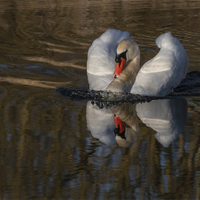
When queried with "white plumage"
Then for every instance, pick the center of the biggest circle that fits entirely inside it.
(165, 71)
(101, 58)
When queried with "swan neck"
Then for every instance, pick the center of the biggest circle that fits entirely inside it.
(126, 79)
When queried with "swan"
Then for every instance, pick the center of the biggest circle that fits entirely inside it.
(157, 77)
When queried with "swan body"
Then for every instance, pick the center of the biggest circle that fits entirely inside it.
(165, 71)
(157, 77)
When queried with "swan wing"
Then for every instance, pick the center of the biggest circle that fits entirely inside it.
(101, 58)
(165, 71)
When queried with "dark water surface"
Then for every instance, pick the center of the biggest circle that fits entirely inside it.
(52, 147)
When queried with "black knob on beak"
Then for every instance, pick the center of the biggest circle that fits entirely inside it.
(117, 58)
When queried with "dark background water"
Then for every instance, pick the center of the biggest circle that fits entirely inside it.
(46, 149)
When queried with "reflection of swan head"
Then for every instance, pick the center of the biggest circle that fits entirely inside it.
(127, 138)
(124, 134)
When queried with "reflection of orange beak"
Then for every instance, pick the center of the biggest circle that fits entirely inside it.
(118, 123)
(119, 68)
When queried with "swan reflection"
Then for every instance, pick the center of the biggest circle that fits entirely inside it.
(100, 123)
(120, 124)
(166, 116)
(116, 124)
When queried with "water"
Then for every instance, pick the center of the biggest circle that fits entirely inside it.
(48, 148)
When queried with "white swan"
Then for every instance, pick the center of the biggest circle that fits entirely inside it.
(157, 77)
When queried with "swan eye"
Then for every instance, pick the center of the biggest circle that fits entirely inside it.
(121, 55)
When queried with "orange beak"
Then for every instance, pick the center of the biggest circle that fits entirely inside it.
(118, 124)
(119, 68)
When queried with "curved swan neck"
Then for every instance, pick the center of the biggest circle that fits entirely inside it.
(126, 79)
(127, 114)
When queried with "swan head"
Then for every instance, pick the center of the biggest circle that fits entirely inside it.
(127, 50)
